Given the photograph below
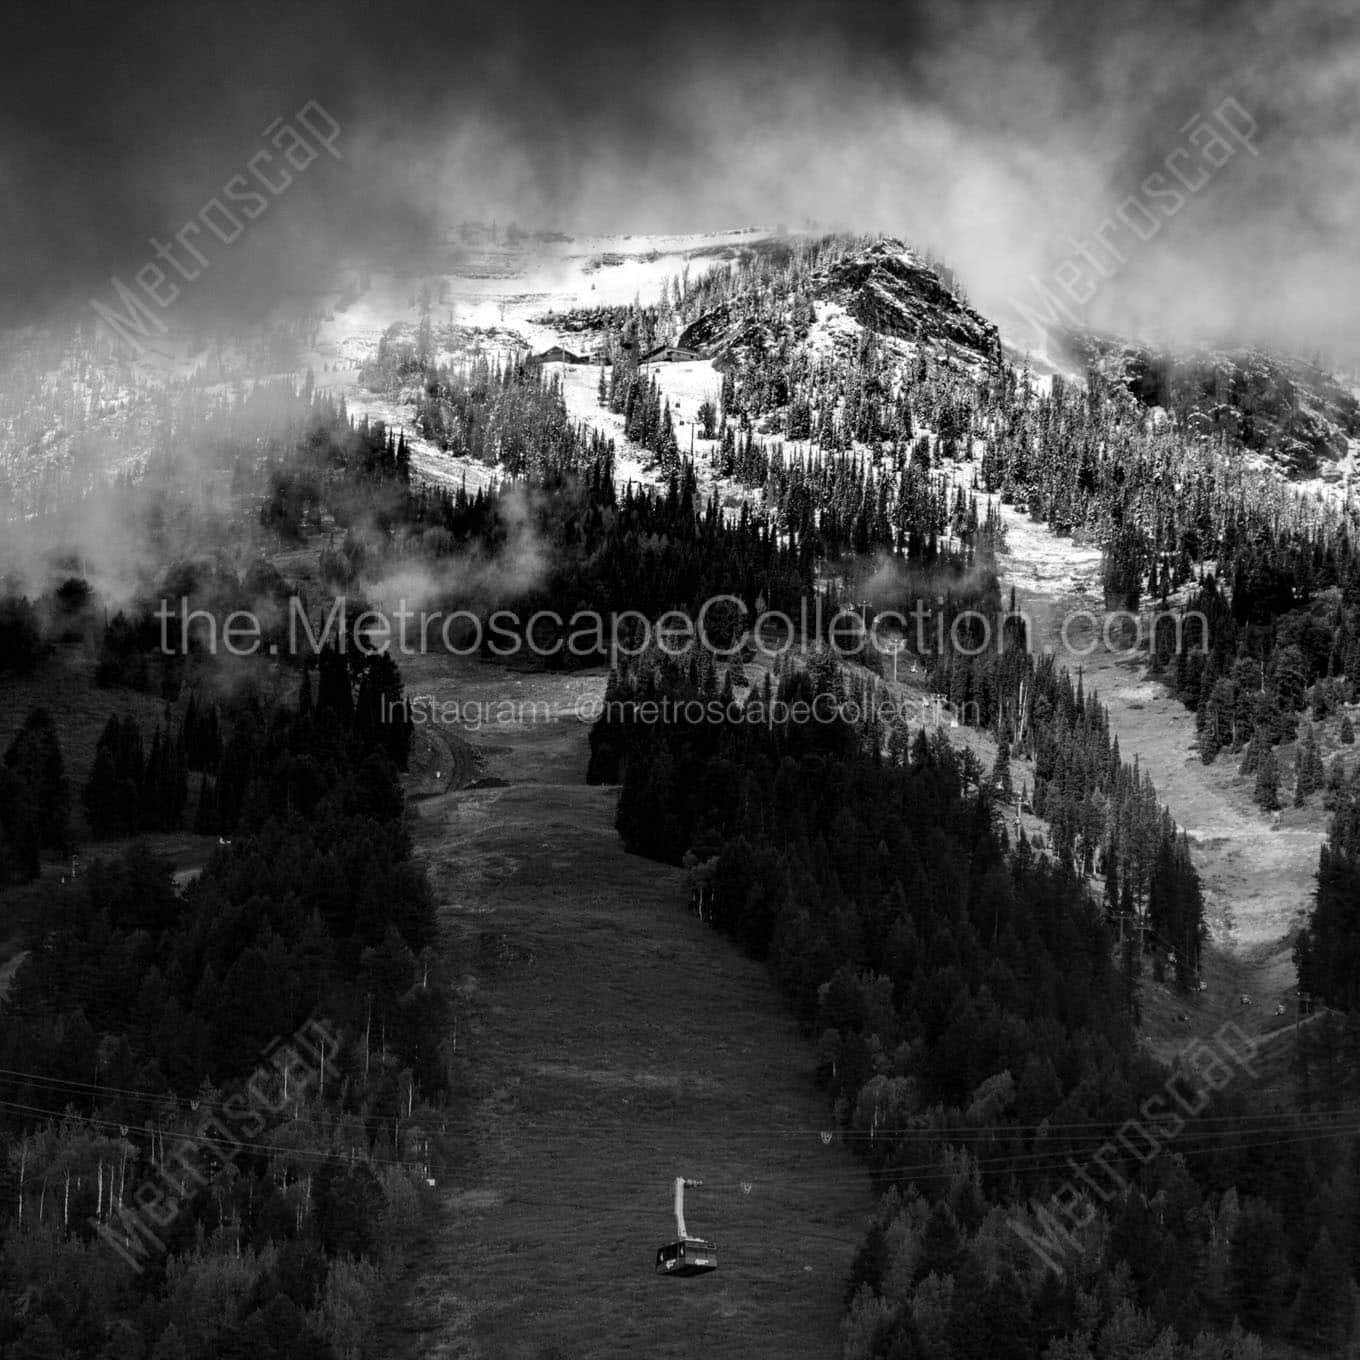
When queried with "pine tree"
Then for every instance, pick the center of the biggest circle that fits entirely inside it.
(19, 850)
(101, 794)
(304, 705)
(1001, 772)
(205, 816)
(1207, 718)
(333, 686)
(1267, 790)
(34, 757)
(1259, 1267)
(153, 786)
(1324, 1306)
(381, 717)
(115, 794)
(1308, 769)
(189, 733)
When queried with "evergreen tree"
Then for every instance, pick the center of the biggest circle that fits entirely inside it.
(333, 686)
(1259, 1267)
(19, 837)
(1001, 772)
(381, 717)
(115, 795)
(205, 815)
(34, 757)
(1267, 789)
(1323, 1307)
(1309, 773)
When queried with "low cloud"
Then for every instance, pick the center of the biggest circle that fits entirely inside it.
(989, 132)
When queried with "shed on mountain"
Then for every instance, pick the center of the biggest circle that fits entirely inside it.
(670, 354)
(556, 355)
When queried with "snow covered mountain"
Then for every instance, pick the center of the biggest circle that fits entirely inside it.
(884, 287)
(71, 404)
(1288, 411)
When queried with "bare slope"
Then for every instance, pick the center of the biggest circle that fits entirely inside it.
(613, 1041)
(1257, 871)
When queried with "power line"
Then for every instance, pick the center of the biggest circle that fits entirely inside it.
(237, 1145)
(1285, 1118)
(1035, 1162)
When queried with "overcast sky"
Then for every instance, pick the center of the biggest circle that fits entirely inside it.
(990, 131)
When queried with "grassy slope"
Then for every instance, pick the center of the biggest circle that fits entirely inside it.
(612, 1042)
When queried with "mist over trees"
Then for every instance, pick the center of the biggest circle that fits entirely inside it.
(973, 995)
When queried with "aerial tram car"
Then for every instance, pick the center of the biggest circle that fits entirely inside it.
(686, 1255)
